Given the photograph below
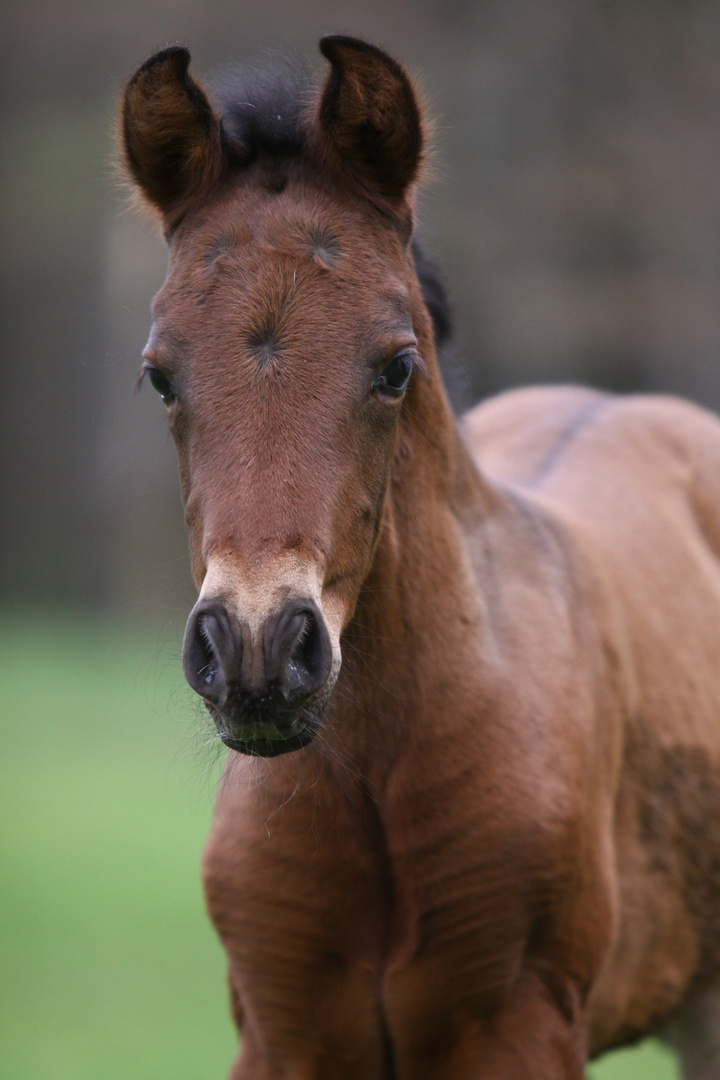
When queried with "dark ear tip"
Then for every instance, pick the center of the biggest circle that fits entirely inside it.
(332, 44)
(175, 55)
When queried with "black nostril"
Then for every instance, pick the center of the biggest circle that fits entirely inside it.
(294, 660)
(208, 663)
(209, 650)
(309, 657)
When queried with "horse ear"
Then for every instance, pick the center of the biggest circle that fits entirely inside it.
(370, 119)
(170, 134)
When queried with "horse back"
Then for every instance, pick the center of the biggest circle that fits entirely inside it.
(635, 478)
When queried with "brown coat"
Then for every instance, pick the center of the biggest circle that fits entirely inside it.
(474, 827)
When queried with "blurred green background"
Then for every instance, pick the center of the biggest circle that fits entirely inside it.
(574, 204)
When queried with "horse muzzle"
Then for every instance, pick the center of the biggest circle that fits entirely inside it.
(266, 686)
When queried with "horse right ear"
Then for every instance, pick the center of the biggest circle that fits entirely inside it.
(170, 134)
(369, 116)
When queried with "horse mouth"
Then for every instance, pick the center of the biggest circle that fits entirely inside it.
(260, 747)
(261, 737)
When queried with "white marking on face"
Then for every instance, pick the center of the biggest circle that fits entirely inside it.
(253, 592)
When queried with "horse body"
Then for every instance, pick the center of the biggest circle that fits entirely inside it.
(494, 654)
(519, 840)
(650, 514)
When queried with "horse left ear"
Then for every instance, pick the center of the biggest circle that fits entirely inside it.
(370, 121)
(170, 134)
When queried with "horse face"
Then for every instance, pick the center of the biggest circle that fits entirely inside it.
(284, 345)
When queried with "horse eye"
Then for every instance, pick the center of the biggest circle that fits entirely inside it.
(162, 384)
(395, 377)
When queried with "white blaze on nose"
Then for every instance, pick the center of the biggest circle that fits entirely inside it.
(255, 591)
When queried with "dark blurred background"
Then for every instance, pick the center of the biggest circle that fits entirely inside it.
(574, 205)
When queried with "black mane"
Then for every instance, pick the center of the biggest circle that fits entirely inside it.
(260, 110)
(434, 294)
(261, 113)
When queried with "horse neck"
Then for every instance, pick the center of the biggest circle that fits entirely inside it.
(409, 618)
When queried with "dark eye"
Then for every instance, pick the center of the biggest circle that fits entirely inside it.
(395, 377)
(163, 385)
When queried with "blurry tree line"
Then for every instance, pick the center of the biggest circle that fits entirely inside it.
(573, 201)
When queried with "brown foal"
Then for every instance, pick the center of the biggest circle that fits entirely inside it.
(470, 824)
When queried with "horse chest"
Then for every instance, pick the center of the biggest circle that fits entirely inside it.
(336, 892)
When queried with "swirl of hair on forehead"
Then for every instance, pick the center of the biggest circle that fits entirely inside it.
(261, 113)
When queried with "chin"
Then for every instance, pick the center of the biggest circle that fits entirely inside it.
(265, 747)
(261, 737)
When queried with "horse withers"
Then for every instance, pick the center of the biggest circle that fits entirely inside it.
(470, 826)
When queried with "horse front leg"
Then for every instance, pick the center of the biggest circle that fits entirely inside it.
(317, 1023)
(538, 1031)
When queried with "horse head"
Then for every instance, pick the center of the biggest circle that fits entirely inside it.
(290, 345)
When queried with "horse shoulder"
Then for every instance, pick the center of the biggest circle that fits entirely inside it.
(500, 845)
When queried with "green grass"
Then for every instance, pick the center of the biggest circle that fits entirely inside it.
(109, 967)
(649, 1061)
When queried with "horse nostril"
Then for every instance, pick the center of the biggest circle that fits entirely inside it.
(293, 660)
(208, 648)
(310, 656)
(209, 669)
